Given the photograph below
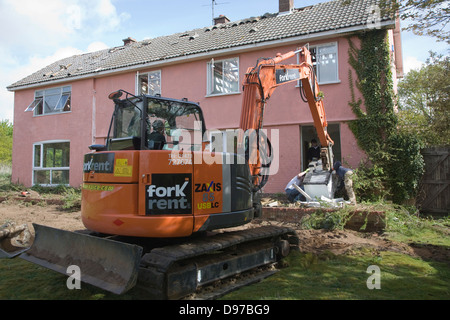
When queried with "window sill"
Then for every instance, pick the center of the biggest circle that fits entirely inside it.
(50, 114)
(325, 83)
(221, 94)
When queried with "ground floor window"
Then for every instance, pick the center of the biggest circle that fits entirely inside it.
(51, 163)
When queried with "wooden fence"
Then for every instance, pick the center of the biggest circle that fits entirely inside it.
(434, 194)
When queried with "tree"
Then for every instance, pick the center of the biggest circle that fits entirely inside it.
(427, 17)
(6, 134)
(424, 100)
(430, 17)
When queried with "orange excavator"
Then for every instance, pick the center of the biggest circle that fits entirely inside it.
(159, 201)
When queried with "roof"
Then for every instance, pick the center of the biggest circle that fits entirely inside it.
(334, 17)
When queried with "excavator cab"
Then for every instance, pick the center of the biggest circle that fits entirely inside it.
(154, 123)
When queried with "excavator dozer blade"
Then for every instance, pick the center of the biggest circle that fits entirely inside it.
(104, 263)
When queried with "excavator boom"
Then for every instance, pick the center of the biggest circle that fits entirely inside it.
(259, 84)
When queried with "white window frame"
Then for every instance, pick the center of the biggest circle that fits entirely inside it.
(210, 77)
(65, 96)
(41, 167)
(317, 65)
(138, 89)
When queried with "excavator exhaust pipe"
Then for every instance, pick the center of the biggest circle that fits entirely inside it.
(104, 263)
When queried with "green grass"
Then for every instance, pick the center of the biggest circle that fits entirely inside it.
(307, 277)
(344, 277)
(23, 280)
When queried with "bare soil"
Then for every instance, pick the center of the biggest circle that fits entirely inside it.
(315, 241)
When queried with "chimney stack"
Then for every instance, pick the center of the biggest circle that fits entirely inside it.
(128, 41)
(286, 5)
(221, 19)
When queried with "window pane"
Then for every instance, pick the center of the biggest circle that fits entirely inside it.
(34, 104)
(231, 76)
(225, 77)
(56, 155)
(60, 177)
(143, 84)
(50, 102)
(327, 63)
(150, 83)
(37, 155)
(217, 78)
(62, 103)
(127, 123)
(41, 177)
(154, 83)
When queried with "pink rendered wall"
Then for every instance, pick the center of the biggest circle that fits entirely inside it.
(74, 126)
(103, 106)
(91, 113)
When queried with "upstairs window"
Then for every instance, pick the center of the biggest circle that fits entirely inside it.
(223, 76)
(325, 62)
(50, 101)
(149, 83)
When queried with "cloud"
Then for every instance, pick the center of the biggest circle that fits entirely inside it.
(13, 70)
(28, 22)
(411, 63)
(35, 34)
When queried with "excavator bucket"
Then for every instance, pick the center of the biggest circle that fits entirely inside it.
(104, 263)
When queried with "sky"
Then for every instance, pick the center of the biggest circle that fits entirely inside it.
(34, 34)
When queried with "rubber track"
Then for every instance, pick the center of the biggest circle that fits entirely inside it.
(158, 262)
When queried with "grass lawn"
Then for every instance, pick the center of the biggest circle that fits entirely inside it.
(345, 277)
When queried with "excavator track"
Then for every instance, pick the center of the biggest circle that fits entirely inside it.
(176, 271)
(162, 268)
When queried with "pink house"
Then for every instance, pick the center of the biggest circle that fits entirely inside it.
(62, 109)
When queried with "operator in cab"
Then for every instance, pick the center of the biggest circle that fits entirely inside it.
(156, 139)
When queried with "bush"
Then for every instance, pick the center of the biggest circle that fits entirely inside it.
(406, 166)
(369, 183)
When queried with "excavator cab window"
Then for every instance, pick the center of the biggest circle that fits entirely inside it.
(126, 126)
(154, 123)
(180, 122)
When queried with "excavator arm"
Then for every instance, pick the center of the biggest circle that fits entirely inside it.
(259, 84)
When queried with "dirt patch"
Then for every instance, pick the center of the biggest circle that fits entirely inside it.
(315, 241)
(40, 212)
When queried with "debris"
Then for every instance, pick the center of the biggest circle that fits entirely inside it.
(18, 236)
(302, 192)
(14, 240)
(274, 204)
